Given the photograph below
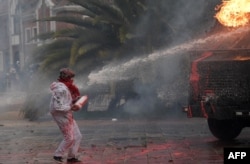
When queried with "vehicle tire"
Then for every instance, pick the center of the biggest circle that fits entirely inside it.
(224, 129)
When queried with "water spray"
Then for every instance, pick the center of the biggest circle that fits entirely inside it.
(129, 69)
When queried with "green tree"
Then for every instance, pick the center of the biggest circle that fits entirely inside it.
(99, 32)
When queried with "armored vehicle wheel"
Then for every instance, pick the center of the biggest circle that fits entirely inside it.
(224, 129)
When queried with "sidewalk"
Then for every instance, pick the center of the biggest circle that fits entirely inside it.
(177, 141)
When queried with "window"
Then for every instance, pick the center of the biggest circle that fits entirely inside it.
(27, 35)
(34, 34)
(16, 24)
(1, 61)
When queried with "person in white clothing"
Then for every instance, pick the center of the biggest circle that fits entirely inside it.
(64, 95)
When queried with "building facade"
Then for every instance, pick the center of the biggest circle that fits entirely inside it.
(18, 30)
(4, 35)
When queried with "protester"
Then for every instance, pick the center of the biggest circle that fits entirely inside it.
(64, 95)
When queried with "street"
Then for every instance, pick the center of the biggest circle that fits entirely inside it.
(177, 140)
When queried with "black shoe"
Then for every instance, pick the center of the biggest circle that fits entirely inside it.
(73, 160)
(58, 159)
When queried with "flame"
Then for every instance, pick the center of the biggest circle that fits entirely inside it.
(233, 13)
(242, 58)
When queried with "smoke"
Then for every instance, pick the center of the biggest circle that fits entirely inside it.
(161, 77)
(161, 86)
(185, 19)
(131, 68)
(187, 15)
(116, 71)
(159, 80)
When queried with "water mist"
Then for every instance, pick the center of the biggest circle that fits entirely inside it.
(160, 74)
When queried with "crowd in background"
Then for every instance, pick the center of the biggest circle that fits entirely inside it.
(15, 79)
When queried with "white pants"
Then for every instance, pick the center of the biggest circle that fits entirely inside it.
(71, 133)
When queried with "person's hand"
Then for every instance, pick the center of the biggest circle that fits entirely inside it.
(76, 99)
(75, 108)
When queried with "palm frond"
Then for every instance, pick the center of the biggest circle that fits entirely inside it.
(73, 20)
(87, 48)
(79, 49)
(96, 28)
(86, 4)
(45, 36)
(132, 9)
(75, 10)
(55, 60)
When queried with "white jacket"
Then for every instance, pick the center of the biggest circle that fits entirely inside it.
(61, 99)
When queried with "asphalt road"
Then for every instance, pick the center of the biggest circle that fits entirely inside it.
(177, 140)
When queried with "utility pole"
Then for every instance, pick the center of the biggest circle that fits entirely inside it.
(21, 37)
(10, 34)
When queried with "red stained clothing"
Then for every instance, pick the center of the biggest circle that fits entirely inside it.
(62, 98)
(75, 93)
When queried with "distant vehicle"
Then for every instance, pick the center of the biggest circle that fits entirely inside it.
(220, 90)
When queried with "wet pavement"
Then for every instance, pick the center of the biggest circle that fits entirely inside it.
(177, 140)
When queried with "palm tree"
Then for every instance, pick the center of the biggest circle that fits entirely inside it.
(98, 33)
